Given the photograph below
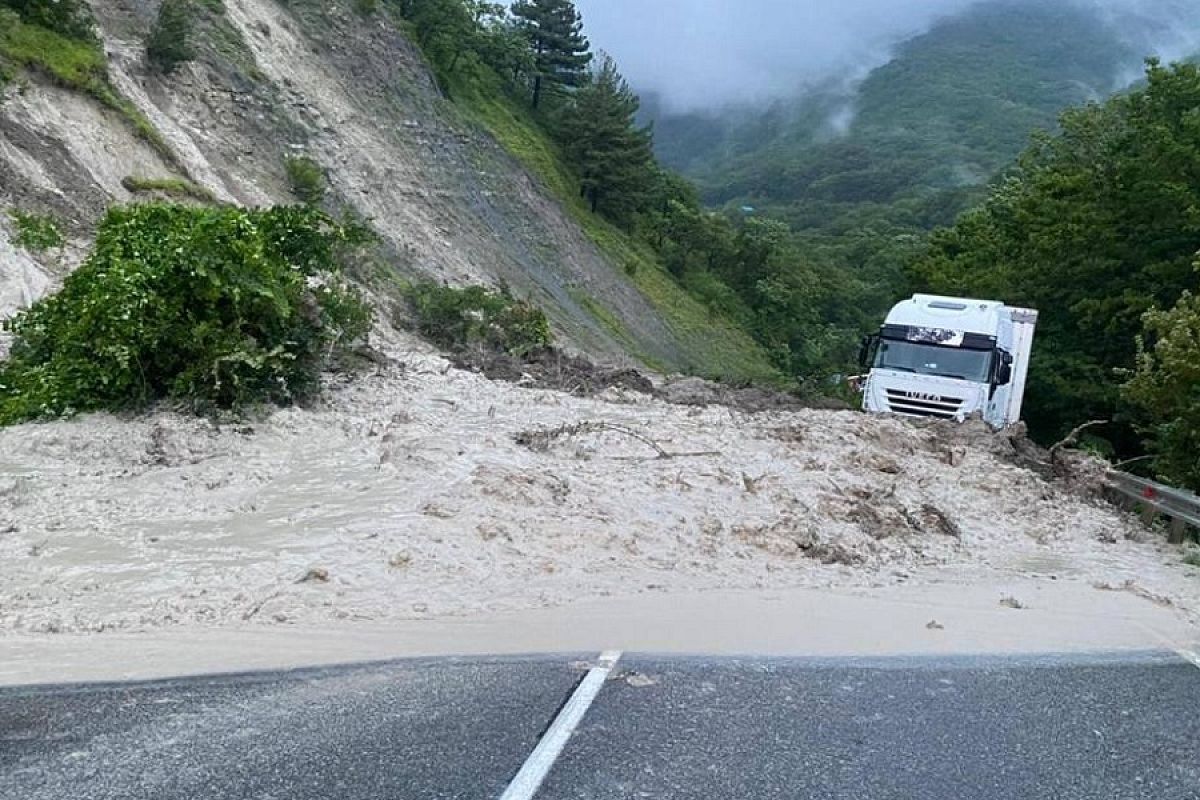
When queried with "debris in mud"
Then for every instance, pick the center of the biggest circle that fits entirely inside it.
(1133, 588)
(1008, 601)
(540, 441)
(692, 391)
(401, 560)
(551, 368)
(931, 518)
(315, 575)
(934, 625)
(792, 537)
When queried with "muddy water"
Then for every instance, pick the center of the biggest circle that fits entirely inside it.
(406, 497)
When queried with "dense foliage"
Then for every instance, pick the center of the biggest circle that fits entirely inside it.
(35, 232)
(601, 138)
(169, 43)
(477, 317)
(561, 53)
(69, 18)
(1166, 389)
(306, 179)
(1094, 227)
(210, 307)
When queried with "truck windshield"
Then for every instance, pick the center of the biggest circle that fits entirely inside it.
(928, 359)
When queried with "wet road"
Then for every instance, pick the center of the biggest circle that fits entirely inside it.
(1075, 727)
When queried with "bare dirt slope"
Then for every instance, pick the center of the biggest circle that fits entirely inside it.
(350, 91)
(425, 491)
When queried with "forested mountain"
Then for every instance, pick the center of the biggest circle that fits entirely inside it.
(952, 107)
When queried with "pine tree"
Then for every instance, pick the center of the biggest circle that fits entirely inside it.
(560, 50)
(612, 155)
(169, 43)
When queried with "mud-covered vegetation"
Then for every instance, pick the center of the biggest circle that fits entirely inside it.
(209, 307)
(475, 317)
(178, 188)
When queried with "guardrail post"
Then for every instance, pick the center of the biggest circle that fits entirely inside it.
(1178, 532)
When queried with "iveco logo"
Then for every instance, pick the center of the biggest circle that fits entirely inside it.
(923, 396)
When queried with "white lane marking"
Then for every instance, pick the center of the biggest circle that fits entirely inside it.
(1186, 652)
(537, 766)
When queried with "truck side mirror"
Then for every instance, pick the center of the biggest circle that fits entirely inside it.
(1004, 374)
(864, 351)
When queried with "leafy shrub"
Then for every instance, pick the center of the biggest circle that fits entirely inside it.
(35, 232)
(71, 18)
(212, 307)
(170, 41)
(1166, 390)
(458, 319)
(307, 179)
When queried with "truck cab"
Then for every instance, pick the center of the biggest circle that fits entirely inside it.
(950, 358)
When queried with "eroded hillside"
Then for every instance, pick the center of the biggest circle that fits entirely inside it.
(353, 93)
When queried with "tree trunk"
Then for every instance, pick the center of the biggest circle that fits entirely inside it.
(537, 91)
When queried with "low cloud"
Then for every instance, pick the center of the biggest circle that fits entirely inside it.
(705, 53)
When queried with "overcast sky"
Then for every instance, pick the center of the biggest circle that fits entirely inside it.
(710, 52)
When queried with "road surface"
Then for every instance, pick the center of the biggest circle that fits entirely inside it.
(937, 728)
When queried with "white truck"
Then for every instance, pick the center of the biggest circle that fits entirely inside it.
(950, 357)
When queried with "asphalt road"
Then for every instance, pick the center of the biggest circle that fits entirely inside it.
(929, 729)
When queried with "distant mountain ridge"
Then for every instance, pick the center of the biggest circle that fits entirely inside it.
(922, 132)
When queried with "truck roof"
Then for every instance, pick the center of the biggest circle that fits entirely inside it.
(952, 313)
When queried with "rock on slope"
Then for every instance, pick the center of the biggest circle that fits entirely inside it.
(314, 77)
(423, 490)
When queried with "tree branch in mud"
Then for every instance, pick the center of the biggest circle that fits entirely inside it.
(541, 440)
(1072, 438)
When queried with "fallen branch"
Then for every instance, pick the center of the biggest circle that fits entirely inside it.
(540, 441)
(1072, 438)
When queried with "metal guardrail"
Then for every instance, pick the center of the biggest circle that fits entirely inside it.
(1156, 499)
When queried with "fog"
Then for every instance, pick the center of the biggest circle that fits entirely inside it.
(705, 53)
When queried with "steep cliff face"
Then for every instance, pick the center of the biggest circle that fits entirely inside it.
(317, 78)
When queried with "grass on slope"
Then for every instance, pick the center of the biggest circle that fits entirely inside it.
(715, 347)
(73, 64)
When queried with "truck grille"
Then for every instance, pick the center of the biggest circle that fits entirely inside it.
(918, 404)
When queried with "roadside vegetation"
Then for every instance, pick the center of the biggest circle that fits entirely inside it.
(209, 308)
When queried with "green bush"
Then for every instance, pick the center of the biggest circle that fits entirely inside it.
(211, 307)
(1165, 389)
(35, 232)
(307, 179)
(71, 18)
(458, 319)
(169, 43)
